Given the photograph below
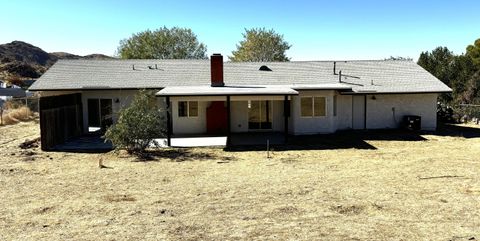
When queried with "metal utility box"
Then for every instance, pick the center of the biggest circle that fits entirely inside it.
(412, 122)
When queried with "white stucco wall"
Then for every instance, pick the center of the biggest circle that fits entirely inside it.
(190, 125)
(313, 125)
(381, 116)
(350, 111)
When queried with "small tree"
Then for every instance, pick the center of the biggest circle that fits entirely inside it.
(138, 124)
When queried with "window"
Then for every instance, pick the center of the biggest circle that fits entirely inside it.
(193, 108)
(260, 115)
(306, 106)
(188, 108)
(313, 106)
(99, 114)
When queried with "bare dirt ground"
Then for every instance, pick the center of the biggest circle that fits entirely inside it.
(427, 189)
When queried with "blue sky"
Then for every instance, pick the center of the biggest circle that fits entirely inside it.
(317, 30)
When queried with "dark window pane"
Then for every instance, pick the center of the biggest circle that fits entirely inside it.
(306, 106)
(319, 104)
(182, 109)
(93, 113)
(106, 113)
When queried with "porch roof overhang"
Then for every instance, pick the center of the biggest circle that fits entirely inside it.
(225, 91)
(332, 86)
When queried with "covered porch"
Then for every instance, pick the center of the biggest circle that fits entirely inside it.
(94, 143)
(235, 112)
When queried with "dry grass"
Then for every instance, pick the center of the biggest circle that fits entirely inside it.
(338, 194)
(21, 114)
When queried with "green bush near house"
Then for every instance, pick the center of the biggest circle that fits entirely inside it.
(138, 124)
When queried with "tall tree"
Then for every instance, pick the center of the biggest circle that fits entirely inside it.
(261, 45)
(471, 95)
(438, 63)
(453, 70)
(163, 43)
(474, 52)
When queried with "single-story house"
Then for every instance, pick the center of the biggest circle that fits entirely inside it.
(213, 97)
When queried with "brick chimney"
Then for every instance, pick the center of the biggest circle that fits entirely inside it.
(216, 70)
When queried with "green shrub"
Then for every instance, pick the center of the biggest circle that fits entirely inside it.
(138, 124)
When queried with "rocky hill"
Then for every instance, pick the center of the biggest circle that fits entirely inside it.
(20, 60)
(63, 55)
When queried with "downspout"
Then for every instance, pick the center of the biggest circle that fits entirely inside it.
(286, 114)
(169, 122)
(353, 117)
(365, 113)
(229, 117)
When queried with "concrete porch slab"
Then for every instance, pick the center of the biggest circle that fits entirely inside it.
(194, 141)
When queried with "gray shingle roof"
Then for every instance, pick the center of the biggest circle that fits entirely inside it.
(374, 76)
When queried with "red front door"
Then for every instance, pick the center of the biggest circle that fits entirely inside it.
(217, 118)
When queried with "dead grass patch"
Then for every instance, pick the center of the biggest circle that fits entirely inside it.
(14, 116)
(43, 210)
(184, 231)
(348, 209)
(287, 210)
(120, 198)
(330, 194)
(12, 171)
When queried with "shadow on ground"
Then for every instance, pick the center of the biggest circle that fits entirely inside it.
(88, 143)
(339, 140)
(257, 142)
(457, 131)
(179, 155)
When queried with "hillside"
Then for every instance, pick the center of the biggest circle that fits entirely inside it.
(64, 55)
(20, 60)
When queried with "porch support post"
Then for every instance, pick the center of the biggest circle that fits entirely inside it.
(286, 114)
(169, 122)
(365, 112)
(229, 134)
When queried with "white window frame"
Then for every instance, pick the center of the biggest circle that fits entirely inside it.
(313, 107)
(188, 109)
